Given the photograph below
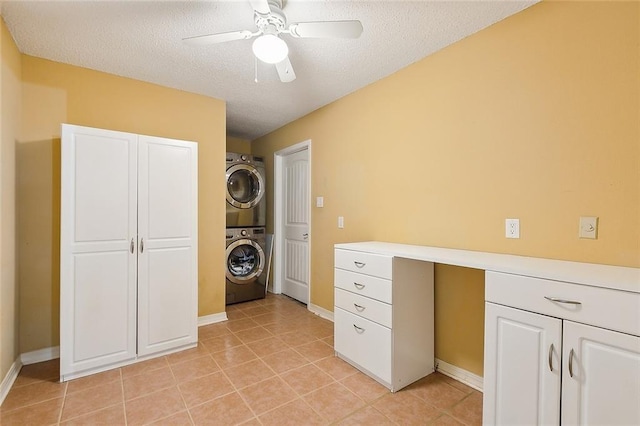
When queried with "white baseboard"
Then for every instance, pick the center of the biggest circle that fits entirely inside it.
(41, 355)
(459, 374)
(9, 378)
(48, 354)
(212, 319)
(321, 312)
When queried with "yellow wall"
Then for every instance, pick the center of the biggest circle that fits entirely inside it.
(535, 117)
(55, 93)
(10, 126)
(239, 145)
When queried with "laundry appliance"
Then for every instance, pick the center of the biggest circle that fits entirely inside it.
(246, 203)
(247, 259)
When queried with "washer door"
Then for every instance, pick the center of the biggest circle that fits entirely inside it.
(245, 261)
(245, 186)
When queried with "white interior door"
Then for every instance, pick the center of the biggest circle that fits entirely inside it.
(97, 249)
(522, 368)
(168, 244)
(295, 225)
(601, 377)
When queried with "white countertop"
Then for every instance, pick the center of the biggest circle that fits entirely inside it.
(597, 275)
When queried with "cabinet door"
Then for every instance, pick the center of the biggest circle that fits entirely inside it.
(601, 376)
(97, 263)
(521, 367)
(168, 244)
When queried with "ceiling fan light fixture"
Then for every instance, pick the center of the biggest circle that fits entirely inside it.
(270, 48)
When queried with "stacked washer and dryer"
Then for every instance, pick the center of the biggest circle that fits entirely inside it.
(248, 254)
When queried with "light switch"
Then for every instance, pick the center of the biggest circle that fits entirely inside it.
(588, 227)
(319, 201)
(340, 222)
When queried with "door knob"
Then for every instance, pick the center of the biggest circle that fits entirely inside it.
(305, 236)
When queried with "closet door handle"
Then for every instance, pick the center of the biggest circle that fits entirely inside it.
(569, 302)
(551, 357)
(132, 246)
(571, 363)
(359, 264)
(141, 245)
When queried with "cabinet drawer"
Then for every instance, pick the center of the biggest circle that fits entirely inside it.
(375, 288)
(601, 307)
(364, 307)
(363, 342)
(365, 263)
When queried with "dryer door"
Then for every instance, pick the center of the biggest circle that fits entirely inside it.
(245, 261)
(245, 186)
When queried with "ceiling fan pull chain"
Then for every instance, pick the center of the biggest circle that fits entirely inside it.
(255, 62)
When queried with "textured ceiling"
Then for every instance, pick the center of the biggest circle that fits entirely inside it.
(143, 40)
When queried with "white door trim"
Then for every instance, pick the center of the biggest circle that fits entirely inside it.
(278, 267)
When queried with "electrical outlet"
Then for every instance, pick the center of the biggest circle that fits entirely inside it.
(512, 228)
(588, 227)
(319, 201)
(340, 222)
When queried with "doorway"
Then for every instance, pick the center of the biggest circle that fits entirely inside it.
(292, 202)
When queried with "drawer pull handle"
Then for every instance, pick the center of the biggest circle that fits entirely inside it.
(359, 286)
(359, 264)
(571, 363)
(551, 358)
(359, 330)
(569, 302)
(359, 308)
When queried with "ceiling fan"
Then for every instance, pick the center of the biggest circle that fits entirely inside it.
(270, 23)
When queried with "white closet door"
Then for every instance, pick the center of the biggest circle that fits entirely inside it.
(522, 367)
(601, 376)
(168, 244)
(296, 225)
(98, 265)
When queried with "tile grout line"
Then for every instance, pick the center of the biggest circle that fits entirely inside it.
(177, 385)
(236, 390)
(64, 402)
(449, 410)
(124, 399)
(350, 413)
(91, 412)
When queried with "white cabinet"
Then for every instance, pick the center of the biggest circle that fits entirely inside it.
(522, 367)
(128, 259)
(601, 378)
(383, 316)
(560, 353)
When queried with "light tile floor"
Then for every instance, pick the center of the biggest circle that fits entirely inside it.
(272, 363)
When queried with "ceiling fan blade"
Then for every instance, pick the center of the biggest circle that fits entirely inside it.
(329, 29)
(260, 6)
(285, 71)
(218, 38)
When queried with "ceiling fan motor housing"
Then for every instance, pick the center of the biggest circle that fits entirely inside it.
(273, 22)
